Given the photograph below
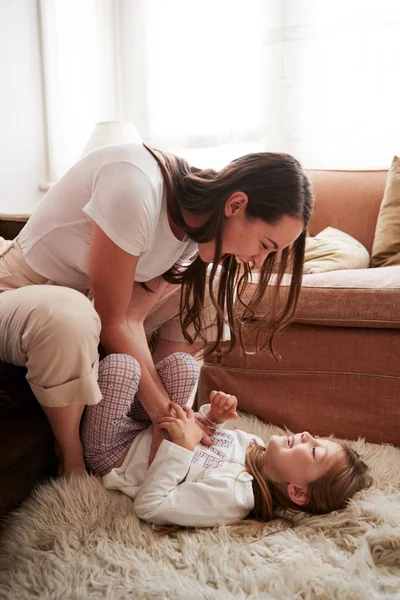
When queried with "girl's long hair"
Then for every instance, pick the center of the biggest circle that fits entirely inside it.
(276, 186)
(330, 492)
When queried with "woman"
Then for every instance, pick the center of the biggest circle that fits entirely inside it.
(190, 484)
(122, 226)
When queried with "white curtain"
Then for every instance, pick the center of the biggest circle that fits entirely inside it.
(213, 79)
(333, 82)
(69, 58)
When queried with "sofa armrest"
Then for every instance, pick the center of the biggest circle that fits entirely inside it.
(11, 225)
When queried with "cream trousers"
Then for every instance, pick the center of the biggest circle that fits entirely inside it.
(54, 331)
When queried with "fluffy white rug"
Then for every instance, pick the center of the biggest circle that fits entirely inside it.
(73, 540)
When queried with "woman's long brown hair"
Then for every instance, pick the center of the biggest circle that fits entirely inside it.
(276, 186)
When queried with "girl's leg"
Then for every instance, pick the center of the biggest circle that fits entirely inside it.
(107, 431)
(179, 374)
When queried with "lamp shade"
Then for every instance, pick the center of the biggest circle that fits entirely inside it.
(112, 132)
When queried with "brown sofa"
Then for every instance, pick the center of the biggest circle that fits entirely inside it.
(26, 440)
(340, 366)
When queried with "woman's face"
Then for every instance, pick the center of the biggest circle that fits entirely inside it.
(251, 240)
(300, 459)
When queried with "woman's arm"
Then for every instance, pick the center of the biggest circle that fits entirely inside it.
(112, 273)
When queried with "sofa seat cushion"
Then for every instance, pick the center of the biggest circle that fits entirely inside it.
(354, 298)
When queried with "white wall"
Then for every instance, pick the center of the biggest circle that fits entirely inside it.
(22, 139)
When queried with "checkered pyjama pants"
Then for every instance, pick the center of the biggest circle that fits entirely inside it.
(109, 427)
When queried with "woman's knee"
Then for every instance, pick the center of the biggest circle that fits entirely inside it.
(67, 316)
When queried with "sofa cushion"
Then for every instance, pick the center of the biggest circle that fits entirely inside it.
(386, 246)
(333, 250)
(355, 298)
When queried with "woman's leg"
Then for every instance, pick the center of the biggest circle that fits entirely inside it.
(164, 317)
(65, 422)
(164, 348)
(107, 431)
(54, 332)
(179, 374)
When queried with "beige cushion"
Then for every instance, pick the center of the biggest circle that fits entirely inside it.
(334, 250)
(386, 246)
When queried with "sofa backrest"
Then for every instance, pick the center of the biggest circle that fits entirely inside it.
(347, 200)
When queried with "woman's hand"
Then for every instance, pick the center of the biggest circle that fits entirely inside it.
(223, 407)
(181, 427)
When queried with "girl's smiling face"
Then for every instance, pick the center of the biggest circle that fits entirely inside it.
(297, 460)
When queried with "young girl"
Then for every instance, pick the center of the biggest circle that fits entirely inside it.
(122, 227)
(193, 484)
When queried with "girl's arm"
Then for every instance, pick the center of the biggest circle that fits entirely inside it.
(221, 496)
(112, 273)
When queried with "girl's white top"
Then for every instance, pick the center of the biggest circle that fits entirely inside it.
(203, 488)
(119, 187)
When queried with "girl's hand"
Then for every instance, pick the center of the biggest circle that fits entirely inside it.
(223, 407)
(181, 427)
